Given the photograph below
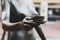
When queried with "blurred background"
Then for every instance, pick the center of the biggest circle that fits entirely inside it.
(51, 28)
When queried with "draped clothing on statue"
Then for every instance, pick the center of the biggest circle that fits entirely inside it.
(25, 7)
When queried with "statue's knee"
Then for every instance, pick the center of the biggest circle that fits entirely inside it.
(21, 34)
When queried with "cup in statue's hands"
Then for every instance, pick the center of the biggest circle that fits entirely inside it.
(38, 19)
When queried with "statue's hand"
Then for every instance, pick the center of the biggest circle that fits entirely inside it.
(38, 19)
(29, 25)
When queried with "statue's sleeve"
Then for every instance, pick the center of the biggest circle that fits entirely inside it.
(5, 11)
